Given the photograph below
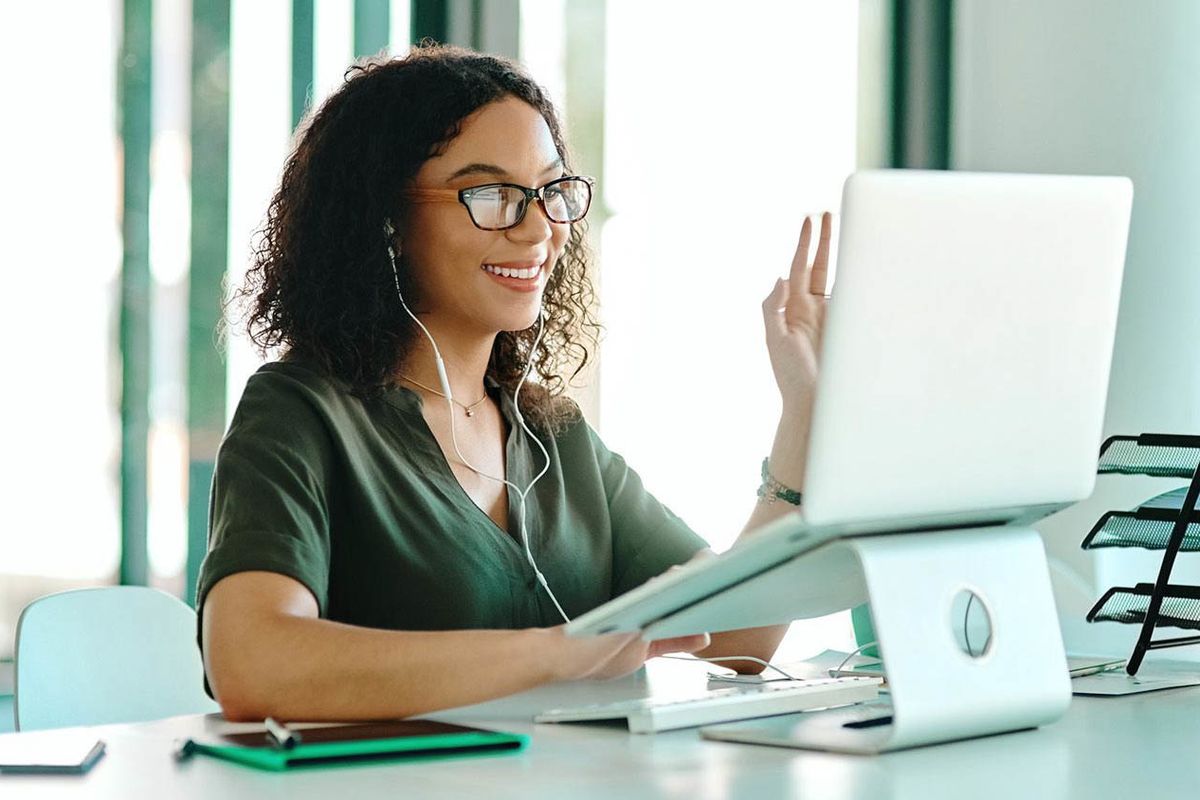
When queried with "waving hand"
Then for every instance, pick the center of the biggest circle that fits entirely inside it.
(794, 316)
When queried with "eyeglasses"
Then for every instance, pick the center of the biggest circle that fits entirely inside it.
(500, 206)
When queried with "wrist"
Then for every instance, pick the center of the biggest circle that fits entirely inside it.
(552, 653)
(798, 403)
(789, 451)
(772, 489)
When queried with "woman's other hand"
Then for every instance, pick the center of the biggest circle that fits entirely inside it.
(794, 317)
(612, 655)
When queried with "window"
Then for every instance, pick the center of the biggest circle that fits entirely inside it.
(723, 127)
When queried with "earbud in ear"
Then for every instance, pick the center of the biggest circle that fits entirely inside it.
(389, 232)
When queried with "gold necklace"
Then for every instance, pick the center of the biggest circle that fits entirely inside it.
(470, 409)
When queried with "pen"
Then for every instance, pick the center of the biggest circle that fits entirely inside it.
(280, 735)
(184, 749)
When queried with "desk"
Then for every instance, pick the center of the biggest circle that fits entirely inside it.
(1141, 746)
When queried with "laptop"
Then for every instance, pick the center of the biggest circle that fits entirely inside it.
(964, 371)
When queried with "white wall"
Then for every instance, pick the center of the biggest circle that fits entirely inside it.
(1104, 86)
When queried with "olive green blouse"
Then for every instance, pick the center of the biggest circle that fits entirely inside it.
(354, 499)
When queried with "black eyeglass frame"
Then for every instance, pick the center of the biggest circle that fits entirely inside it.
(464, 196)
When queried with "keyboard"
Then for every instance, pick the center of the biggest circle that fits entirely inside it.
(650, 715)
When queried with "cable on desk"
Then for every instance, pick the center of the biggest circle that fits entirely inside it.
(837, 673)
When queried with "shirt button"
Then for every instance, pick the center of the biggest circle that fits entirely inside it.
(531, 583)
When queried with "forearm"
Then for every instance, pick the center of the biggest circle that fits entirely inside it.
(300, 668)
(756, 642)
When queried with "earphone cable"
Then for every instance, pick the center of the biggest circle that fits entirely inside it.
(521, 494)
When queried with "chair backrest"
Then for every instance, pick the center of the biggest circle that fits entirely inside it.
(110, 654)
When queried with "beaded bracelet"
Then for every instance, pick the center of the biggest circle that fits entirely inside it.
(772, 490)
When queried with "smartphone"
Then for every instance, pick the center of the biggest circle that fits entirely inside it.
(44, 753)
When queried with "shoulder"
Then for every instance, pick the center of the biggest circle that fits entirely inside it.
(557, 415)
(293, 385)
(292, 380)
(577, 440)
(291, 400)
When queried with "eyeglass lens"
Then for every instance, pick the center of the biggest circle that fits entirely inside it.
(504, 206)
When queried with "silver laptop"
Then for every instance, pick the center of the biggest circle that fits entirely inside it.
(964, 369)
(967, 348)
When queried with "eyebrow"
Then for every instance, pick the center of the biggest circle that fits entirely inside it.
(492, 169)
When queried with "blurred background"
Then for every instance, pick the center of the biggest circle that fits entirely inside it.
(142, 140)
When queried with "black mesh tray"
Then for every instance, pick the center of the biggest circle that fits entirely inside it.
(1148, 528)
(1180, 606)
(1160, 454)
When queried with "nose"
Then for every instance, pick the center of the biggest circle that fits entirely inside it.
(535, 228)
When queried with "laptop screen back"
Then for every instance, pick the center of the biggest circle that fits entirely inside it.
(967, 345)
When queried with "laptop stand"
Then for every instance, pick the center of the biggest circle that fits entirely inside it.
(1169, 523)
(939, 693)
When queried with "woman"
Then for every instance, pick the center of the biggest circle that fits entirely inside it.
(423, 251)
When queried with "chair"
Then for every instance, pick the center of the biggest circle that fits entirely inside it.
(110, 654)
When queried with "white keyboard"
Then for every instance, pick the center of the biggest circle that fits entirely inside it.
(647, 715)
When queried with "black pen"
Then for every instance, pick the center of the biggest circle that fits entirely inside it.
(184, 749)
(280, 735)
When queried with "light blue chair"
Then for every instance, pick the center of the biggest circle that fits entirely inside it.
(110, 654)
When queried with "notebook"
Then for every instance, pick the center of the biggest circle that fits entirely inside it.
(373, 741)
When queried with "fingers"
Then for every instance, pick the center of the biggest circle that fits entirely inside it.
(801, 296)
(819, 279)
(629, 657)
(805, 280)
(800, 259)
(630, 652)
(679, 644)
(613, 649)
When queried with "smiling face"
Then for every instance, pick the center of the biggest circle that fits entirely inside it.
(458, 267)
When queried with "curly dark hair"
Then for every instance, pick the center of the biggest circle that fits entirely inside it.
(320, 284)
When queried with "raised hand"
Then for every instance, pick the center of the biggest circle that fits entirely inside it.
(794, 317)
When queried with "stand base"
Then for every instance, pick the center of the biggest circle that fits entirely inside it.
(826, 731)
(939, 692)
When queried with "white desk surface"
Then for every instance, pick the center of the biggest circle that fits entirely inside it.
(1142, 746)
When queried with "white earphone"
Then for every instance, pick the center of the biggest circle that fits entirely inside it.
(522, 494)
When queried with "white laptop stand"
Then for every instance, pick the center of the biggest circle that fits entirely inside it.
(939, 693)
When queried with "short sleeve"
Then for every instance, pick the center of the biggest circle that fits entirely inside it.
(269, 508)
(647, 537)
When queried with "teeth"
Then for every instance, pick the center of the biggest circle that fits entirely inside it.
(525, 273)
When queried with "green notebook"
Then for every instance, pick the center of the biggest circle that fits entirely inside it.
(374, 741)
